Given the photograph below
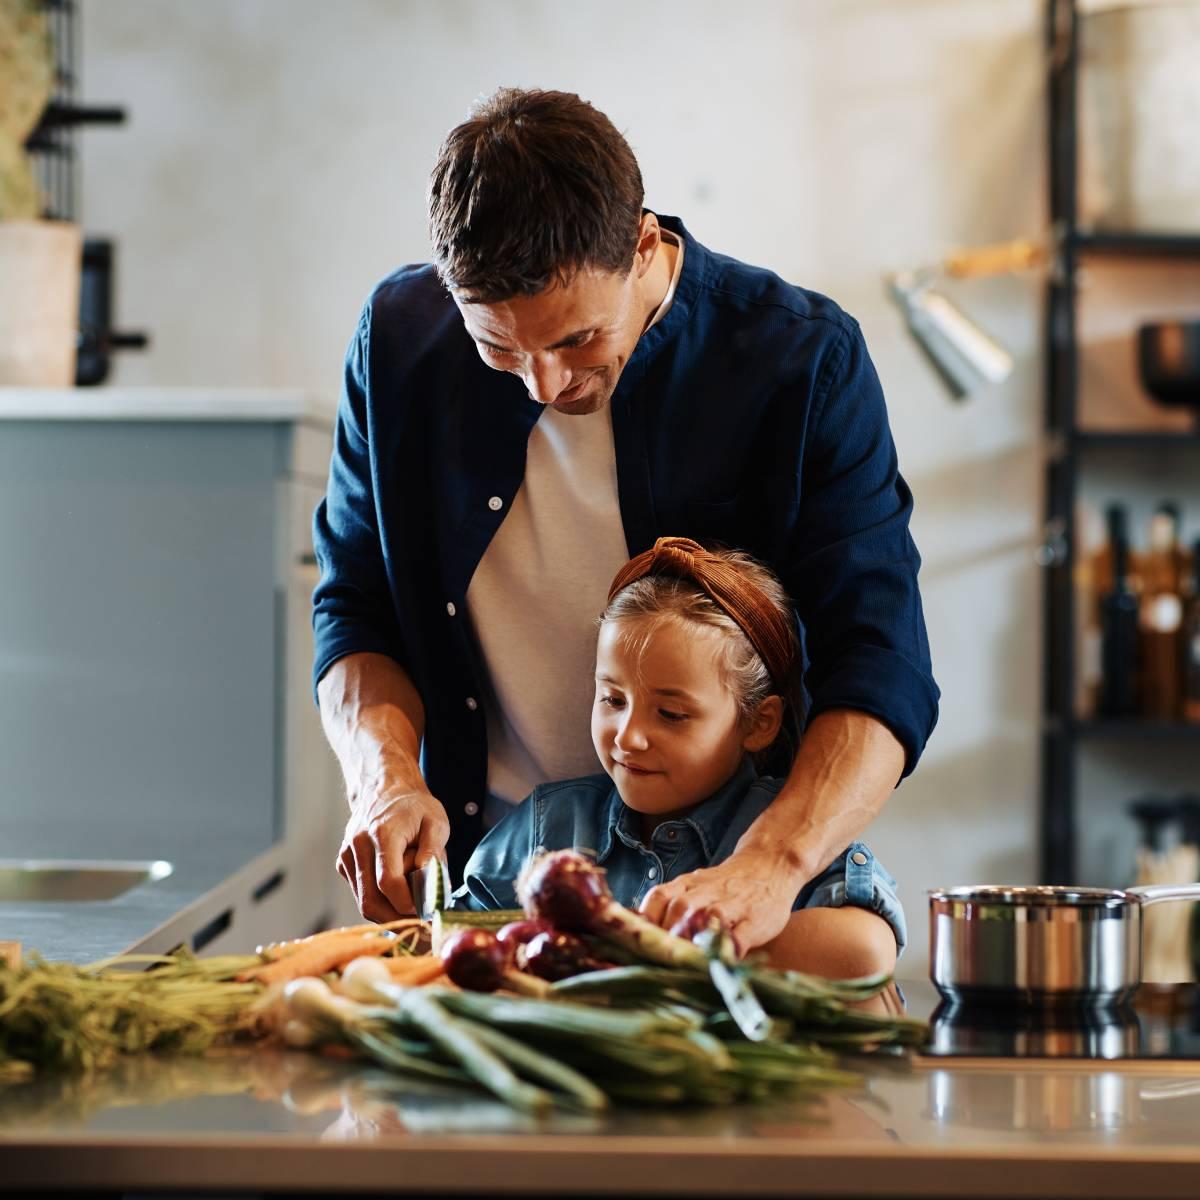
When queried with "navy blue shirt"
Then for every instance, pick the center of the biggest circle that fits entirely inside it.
(750, 415)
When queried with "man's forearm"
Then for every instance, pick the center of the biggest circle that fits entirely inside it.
(847, 767)
(374, 720)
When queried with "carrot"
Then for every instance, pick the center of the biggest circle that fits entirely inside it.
(280, 949)
(415, 970)
(318, 957)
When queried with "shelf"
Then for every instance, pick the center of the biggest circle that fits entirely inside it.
(1100, 728)
(1119, 439)
(1130, 244)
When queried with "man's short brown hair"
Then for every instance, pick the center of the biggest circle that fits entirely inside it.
(531, 188)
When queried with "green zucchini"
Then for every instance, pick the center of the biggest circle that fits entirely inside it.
(446, 921)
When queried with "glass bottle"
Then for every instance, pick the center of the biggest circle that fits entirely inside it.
(1190, 644)
(1160, 619)
(1118, 626)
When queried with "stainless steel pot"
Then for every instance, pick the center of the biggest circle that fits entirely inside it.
(1041, 945)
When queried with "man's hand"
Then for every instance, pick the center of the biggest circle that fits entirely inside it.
(387, 836)
(374, 720)
(847, 766)
(751, 894)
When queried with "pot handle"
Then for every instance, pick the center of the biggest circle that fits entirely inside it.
(1156, 893)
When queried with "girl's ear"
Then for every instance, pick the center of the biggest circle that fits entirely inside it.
(763, 725)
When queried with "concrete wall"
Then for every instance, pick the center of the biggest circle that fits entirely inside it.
(274, 168)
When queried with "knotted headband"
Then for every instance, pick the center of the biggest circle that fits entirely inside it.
(769, 631)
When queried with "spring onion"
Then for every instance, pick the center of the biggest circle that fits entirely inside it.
(478, 960)
(570, 891)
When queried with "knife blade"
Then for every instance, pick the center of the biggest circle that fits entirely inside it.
(429, 887)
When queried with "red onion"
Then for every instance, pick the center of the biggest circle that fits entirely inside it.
(553, 955)
(566, 889)
(476, 959)
(569, 890)
(518, 933)
(697, 921)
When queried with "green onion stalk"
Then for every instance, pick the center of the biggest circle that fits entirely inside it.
(544, 1055)
(59, 1016)
(568, 890)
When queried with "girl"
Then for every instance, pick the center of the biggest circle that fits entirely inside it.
(697, 677)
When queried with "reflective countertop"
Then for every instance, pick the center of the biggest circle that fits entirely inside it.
(273, 1121)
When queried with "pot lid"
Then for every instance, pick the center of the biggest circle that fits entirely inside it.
(1042, 896)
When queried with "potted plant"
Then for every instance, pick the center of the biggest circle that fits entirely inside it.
(39, 259)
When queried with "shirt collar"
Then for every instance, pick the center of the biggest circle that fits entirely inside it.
(709, 818)
(686, 289)
(615, 815)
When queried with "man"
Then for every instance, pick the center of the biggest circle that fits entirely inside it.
(573, 377)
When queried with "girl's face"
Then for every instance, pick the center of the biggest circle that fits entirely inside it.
(664, 723)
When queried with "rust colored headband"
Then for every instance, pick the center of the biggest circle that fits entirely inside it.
(756, 615)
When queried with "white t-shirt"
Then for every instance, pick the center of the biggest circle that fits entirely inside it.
(536, 595)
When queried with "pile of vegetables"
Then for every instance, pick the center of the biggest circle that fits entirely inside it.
(576, 1002)
(572, 1003)
(60, 1016)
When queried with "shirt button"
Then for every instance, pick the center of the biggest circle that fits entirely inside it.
(470, 808)
(451, 609)
(859, 858)
(495, 504)
(472, 703)
(672, 834)
(652, 873)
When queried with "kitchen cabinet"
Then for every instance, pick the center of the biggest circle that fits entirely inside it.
(1116, 751)
(155, 658)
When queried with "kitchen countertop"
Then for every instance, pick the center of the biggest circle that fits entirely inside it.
(151, 917)
(283, 1121)
(163, 404)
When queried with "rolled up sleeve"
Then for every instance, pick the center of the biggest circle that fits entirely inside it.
(853, 564)
(353, 608)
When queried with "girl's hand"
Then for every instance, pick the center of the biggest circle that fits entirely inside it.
(751, 893)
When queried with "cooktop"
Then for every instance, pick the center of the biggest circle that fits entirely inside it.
(1163, 1023)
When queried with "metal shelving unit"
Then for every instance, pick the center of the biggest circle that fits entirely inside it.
(1062, 731)
(1140, 245)
(52, 144)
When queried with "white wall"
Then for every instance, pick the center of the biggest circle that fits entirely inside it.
(274, 167)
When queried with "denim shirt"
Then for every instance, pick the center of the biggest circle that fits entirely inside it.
(751, 415)
(588, 815)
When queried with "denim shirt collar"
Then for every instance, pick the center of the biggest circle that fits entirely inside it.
(708, 819)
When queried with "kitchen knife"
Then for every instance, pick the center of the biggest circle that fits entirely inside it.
(429, 887)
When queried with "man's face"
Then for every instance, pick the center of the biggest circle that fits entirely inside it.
(568, 344)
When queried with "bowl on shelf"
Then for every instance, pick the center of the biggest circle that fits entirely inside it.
(1169, 362)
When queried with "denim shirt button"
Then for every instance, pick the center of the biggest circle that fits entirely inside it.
(652, 873)
(858, 858)
(672, 834)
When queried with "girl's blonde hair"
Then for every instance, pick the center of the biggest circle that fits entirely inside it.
(653, 599)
